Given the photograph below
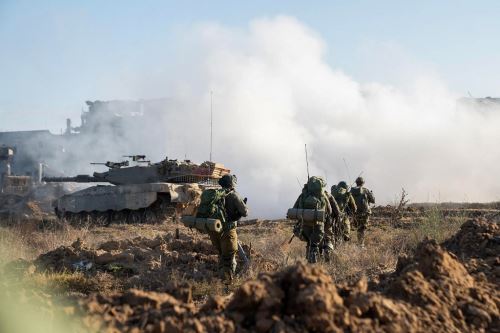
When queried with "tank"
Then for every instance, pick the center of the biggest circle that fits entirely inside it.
(143, 193)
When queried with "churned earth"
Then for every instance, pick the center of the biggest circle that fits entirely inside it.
(163, 278)
(452, 287)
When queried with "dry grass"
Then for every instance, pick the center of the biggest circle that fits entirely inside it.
(270, 240)
(349, 262)
(434, 225)
(63, 282)
(27, 241)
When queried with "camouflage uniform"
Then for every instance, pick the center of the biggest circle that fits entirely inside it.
(327, 244)
(226, 242)
(313, 232)
(363, 197)
(347, 207)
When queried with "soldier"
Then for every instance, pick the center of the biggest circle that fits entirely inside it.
(226, 242)
(313, 197)
(347, 207)
(327, 244)
(363, 198)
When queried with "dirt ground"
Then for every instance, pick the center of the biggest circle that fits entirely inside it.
(162, 278)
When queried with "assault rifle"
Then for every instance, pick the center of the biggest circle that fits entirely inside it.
(297, 230)
(112, 165)
(242, 254)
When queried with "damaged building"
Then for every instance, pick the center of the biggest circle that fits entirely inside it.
(107, 129)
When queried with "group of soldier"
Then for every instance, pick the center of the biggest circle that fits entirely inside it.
(341, 205)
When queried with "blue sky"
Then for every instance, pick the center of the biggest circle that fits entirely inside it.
(56, 54)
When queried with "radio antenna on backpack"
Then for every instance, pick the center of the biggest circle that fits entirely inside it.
(211, 122)
(307, 161)
(347, 169)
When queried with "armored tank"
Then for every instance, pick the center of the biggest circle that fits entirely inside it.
(145, 192)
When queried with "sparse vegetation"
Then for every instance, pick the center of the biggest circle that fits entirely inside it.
(399, 207)
(435, 225)
(268, 240)
(386, 243)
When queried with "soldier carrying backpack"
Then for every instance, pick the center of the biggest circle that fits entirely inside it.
(328, 238)
(347, 206)
(227, 206)
(363, 198)
(313, 197)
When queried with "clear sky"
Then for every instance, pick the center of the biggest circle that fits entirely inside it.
(56, 54)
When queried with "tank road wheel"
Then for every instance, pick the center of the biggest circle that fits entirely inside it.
(92, 218)
(74, 219)
(68, 218)
(119, 217)
(134, 217)
(79, 219)
(141, 213)
(123, 216)
(87, 219)
(150, 216)
(100, 218)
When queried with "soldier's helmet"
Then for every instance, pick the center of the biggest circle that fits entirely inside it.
(343, 184)
(360, 181)
(228, 181)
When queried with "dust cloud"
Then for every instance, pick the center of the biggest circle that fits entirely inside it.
(273, 91)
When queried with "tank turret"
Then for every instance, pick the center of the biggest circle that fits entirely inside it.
(166, 171)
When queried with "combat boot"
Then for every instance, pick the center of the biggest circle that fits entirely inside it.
(327, 251)
(233, 266)
(326, 255)
(313, 255)
(361, 238)
(227, 276)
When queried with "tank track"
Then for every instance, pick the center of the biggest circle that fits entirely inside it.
(158, 212)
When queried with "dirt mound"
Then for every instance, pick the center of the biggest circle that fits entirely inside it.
(476, 238)
(140, 262)
(431, 291)
(443, 293)
(143, 262)
(478, 243)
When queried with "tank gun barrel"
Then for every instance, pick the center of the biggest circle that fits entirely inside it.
(76, 179)
(112, 165)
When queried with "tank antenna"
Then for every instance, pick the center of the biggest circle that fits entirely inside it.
(307, 161)
(211, 122)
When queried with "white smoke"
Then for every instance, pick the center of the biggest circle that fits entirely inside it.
(274, 91)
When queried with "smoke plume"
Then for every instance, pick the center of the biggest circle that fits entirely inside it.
(273, 92)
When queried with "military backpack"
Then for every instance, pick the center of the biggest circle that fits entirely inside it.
(212, 204)
(313, 196)
(342, 197)
(363, 198)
